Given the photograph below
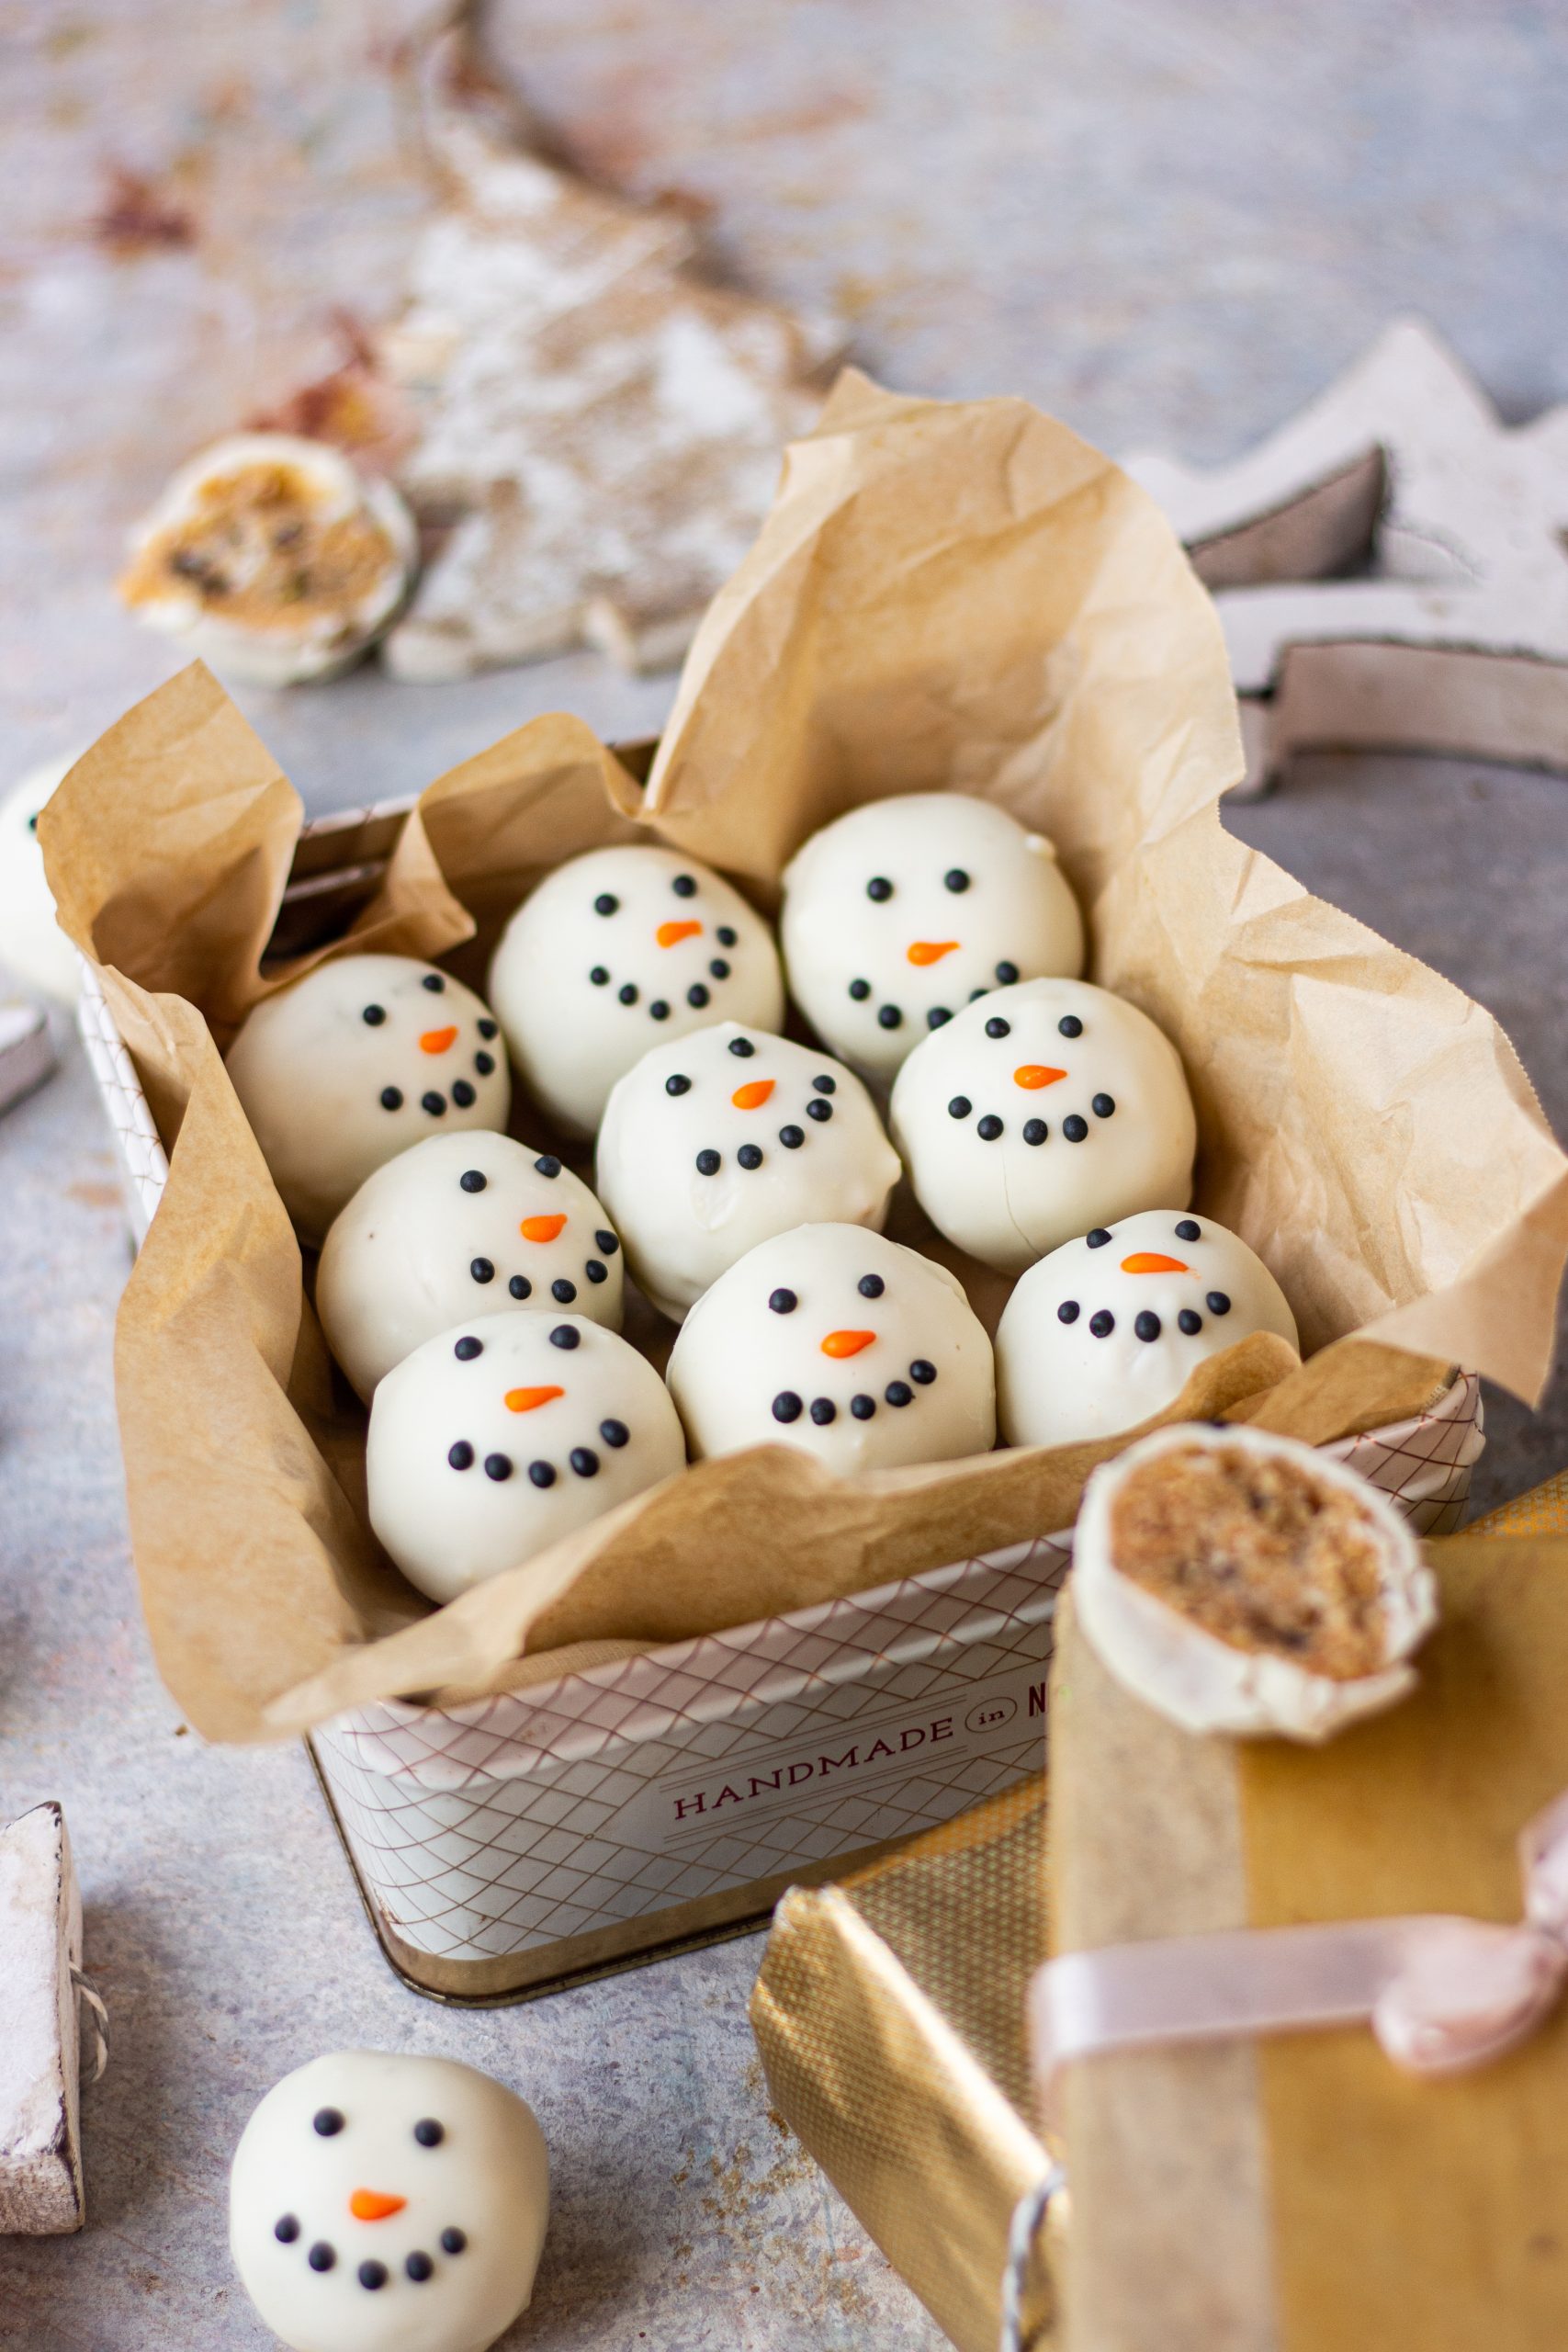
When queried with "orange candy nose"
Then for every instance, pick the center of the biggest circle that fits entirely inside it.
(1149, 1261)
(931, 951)
(435, 1041)
(525, 1400)
(1036, 1074)
(541, 1229)
(670, 935)
(753, 1094)
(371, 2205)
(847, 1344)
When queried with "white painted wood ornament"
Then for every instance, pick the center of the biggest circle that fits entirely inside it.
(40, 1959)
(1453, 635)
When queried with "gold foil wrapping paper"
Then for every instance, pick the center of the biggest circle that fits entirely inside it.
(889, 2013)
(1300, 2193)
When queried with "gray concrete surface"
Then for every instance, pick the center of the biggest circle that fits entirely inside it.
(1167, 220)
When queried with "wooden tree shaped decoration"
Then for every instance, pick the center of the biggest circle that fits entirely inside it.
(1453, 635)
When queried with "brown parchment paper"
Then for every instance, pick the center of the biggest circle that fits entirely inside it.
(963, 595)
(1302, 2193)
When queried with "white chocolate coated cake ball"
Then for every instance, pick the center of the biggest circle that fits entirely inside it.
(1108, 1328)
(458, 1225)
(717, 1141)
(899, 914)
(273, 557)
(381, 2203)
(364, 1057)
(843, 1343)
(490, 1442)
(616, 952)
(33, 945)
(1040, 1112)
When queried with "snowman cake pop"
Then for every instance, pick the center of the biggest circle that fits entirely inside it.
(33, 945)
(1039, 1111)
(1106, 1330)
(364, 1057)
(454, 1223)
(382, 2203)
(714, 1142)
(488, 1442)
(843, 1343)
(899, 914)
(616, 952)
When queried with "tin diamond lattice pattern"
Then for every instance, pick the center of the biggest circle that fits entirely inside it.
(517, 1821)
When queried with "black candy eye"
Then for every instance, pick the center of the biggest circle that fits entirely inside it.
(879, 888)
(997, 1027)
(373, 1015)
(547, 1164)
(1070, 1026)
(725, 936)
(783, 1302)
(677, 1085)
(743, 1047)
(468, 1349)
(605, 904)
(685, 886)
(1189, 1230)
(327, 2123)
(1006, 973)
(434, 982)
(566, 1335)
(956, 879)
(1098, 1238)
(871, 1285)
(472, 1181)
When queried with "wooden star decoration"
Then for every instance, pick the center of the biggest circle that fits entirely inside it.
(1452, 636)
(597, 424)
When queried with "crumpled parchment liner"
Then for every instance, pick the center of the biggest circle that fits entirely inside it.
(943, 595)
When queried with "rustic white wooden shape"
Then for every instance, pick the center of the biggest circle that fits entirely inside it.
(27, 1051)
(40, 1949)
(1454, 638)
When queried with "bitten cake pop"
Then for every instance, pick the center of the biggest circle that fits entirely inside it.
(1106, 1330)
(381, 2203)
(843, 1343)
(614, 953)
(488, 1442)
(714, 1142)
(460, 1223)
(361, 1059)
(899, 914)
(1042, 1112)
(273, 557)
(33, 945)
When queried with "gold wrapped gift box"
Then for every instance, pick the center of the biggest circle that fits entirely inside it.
(889, 2012)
